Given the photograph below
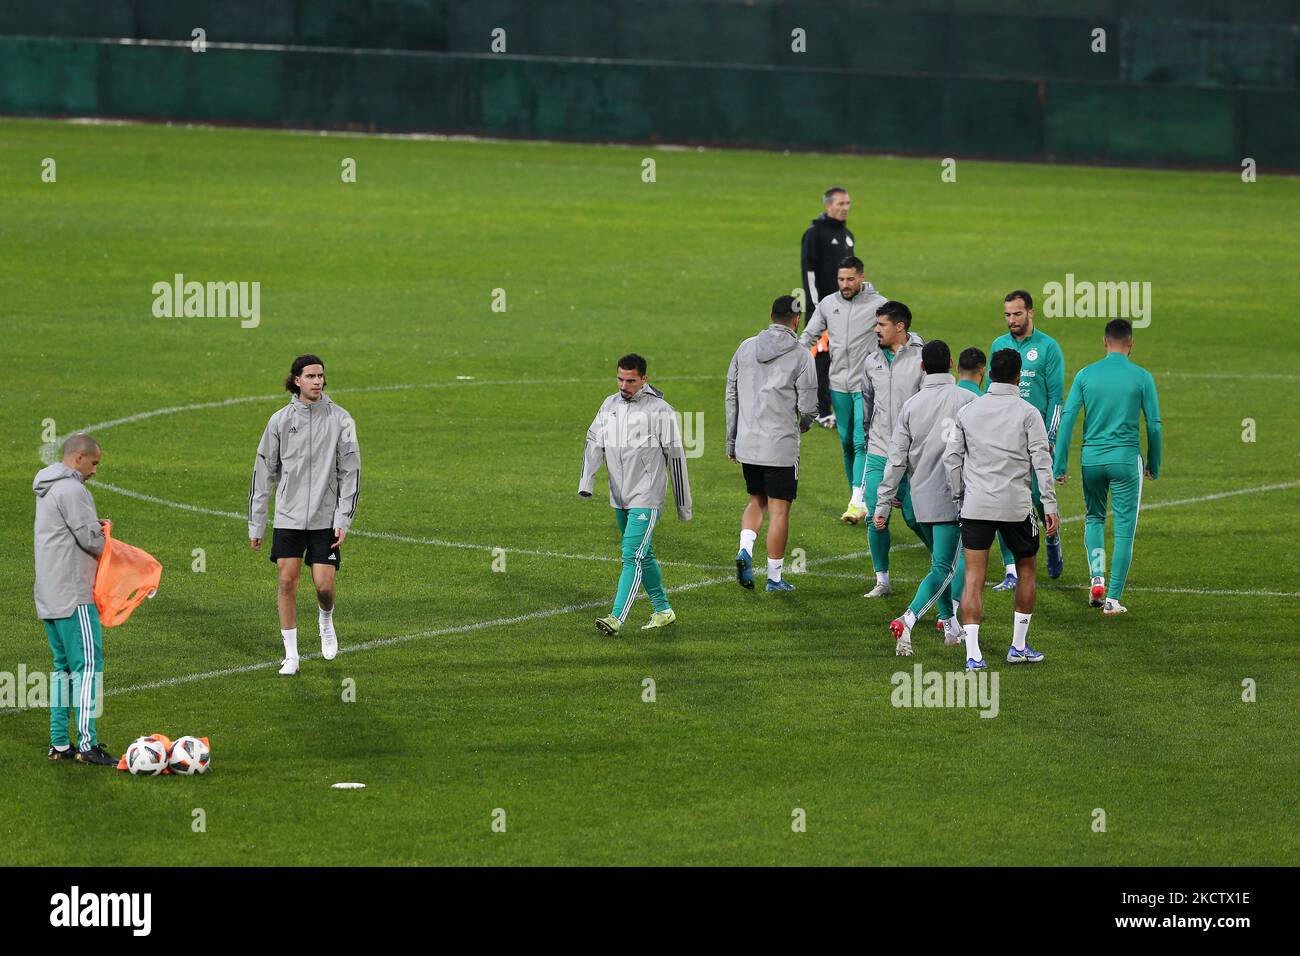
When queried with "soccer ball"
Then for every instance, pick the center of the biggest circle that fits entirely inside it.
(190, 755)
(146, 756)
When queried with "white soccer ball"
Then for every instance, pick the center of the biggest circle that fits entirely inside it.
(190, 755)
(146, 756)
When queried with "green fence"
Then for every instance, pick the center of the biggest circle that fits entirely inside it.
(1180, 82)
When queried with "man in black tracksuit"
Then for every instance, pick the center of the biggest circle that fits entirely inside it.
(826, 242)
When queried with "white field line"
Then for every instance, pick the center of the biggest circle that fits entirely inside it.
(404, 638)
(862, 579)
(571, 608)
(48, 452)
(401, 538)
(1151, 506)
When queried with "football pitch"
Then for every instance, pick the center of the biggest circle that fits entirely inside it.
(480, 684)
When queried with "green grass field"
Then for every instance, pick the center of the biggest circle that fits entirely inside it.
(478, 690)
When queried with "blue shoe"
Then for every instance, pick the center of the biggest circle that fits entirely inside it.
(1055, 558)
(1027, 656)
(745, 569)
(781, 585)
(1008, 583)
(974, 665)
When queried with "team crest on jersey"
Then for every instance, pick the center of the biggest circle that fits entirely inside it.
(1032, 355)
(848, 240)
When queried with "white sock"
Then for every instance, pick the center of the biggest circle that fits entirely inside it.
(1011, 570)
(952, 626)
(1020, 631)
(290, 638)
(882, 577)
(747, 539)
(909, 619)
(64, 749)
(857, 501)
(973, 642)
(774, 566)
(324, 614)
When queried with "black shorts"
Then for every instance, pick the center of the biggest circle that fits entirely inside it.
(311, 546)
(772, 481)
(1020, 536)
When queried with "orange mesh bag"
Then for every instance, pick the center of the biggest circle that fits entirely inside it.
(125, 578)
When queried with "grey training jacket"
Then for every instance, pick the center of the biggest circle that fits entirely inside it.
(640, 442)
(851, 327)
(885, 387)
(919, 442)
(771, 390)
(69, 542)
(309, 454)
(998, 439)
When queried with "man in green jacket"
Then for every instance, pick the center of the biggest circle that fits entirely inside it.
(1042, 384)
(1112, 393)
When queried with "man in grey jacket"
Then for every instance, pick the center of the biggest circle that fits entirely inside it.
(916, 454)
(848, 317)
(636, 434)
(310, 456)
(771, 400)
(891, 375)
(998, 442)
(69, 538)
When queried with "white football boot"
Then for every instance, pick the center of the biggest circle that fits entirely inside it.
(289, 667)
(880, 590)
(1113, 607)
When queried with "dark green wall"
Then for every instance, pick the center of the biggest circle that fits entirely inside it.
(1201, 81)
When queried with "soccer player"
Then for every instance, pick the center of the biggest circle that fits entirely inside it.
(635, 433)
(970, 371)
(309, 455)
(970, 378)
(891, 375)
(771, 400)
(825, 244)
(69, 539)
(1111, 393)
(1042, 384)
(917, 448)
(849, 317)
(997, 442)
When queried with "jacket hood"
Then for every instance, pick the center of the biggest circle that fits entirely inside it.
(826, 222)
(773, 342)
(47, 476)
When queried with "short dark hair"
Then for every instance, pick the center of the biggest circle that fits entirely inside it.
(300, 363)
(784, 306)
(1020, 294)
(935, 357)
(971, 360)
(1004, 366)
(1119, 330)
(851, 262)
(632, 361)
(79, 444)
(897, 312)
(826, 196)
